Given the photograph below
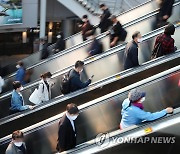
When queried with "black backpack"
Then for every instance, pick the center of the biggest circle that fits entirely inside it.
(65, 84)
(157, 51)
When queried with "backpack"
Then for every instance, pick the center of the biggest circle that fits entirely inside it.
(157, 51)
(65, 84)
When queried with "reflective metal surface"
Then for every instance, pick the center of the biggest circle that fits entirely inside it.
(80, 53)
(113, 83)
(77, 38)
(84, 95)
(105, 115)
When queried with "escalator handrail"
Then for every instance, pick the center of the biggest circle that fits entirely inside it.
(89, 41)
(83, 107)
(92, 59)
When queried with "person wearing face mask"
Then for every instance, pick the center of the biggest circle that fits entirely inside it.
(133, 113)
(74, 75)
(105, 22)
(117, 32)
(131, 51)
(20, 74)
(17, 101)
(60, 43)
(86, 28)
(67, 129)
(44, 89)
(17, 145)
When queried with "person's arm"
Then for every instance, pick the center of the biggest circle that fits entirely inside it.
(148, 116)
(79, 83)
(62, 138)
(169, 48)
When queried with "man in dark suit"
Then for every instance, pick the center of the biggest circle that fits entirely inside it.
(67, 129)
(105, 21)
(131, 52)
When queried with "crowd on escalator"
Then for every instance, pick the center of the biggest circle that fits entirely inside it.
(132, 107)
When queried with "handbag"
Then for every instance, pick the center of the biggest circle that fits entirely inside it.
(34, 98)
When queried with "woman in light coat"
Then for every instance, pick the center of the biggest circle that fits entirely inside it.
(44, 89)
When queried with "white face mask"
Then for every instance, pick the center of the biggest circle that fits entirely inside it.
(84, 20)
(58, 36)
(18, 66)
(142, 100)
(139, 40)
(48, 79)
(74, 117)
(18, 144)
(22, 88)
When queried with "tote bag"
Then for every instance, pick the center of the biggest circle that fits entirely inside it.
(34, 98)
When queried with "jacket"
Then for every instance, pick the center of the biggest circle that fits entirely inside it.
(118, 31)
(44, 91)
(167, 43)
(17, 102)
(75, 81)
(105, 21)
(20, 74)
(131, 55)
(85, 28)
(12, 149)
(60, 44)
(95, 48)
(166, 8)
(132, 115)
(66, 135)
(44, 51)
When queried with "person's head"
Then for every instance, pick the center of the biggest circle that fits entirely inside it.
(170, 29)
(135, 95)
(102, 7)
(79, 65)
(72, 110)
(113, 19)
(18, 138)
(17, 86)
(60, 35)
(46, 76)
(85, 18)
(43, 40)
(137, 37)
(19, 64)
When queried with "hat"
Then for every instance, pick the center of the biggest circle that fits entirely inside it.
(136, 94)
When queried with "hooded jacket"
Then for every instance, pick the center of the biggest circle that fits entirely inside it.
(132, 115)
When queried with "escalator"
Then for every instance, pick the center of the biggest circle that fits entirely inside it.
(57, 63)
(103, 115)
(105, 81)
(76, 39)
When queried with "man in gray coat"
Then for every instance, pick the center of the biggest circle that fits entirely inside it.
(17, 146)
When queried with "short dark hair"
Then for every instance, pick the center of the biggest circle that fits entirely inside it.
(46, 75)
(102, 5)
(20, 63)
(135, 34)
(16, 84)
(85, 16)
(72, 108)
(79, 64)
(17, 134)
(170, 29)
